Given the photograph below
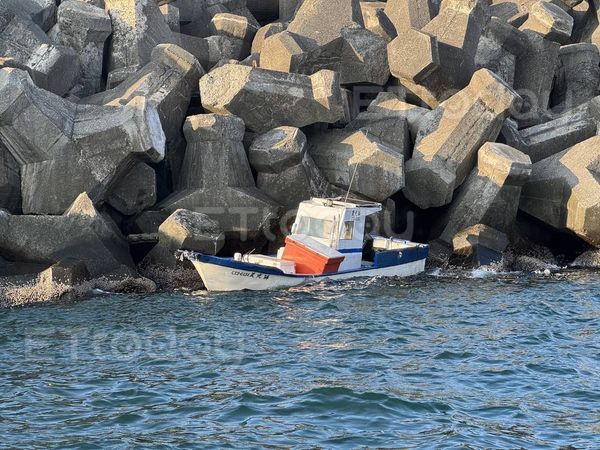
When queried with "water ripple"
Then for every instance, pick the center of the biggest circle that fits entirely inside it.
(475, 360)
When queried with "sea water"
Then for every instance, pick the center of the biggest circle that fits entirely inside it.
(469, 359)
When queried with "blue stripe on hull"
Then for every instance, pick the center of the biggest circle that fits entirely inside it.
(388, 258)
(239, 265)
(383, 259)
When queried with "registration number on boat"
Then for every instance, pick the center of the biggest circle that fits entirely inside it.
(262, 276)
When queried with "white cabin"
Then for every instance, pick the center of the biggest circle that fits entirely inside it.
(338, 224)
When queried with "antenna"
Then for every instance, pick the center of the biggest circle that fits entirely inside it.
(353, 174)
(351, 181)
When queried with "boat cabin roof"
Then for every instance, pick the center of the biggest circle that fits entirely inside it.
(365, 208)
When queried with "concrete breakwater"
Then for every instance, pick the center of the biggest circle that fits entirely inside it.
(129, 129)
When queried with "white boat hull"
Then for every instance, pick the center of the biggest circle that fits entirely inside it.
(221, 278)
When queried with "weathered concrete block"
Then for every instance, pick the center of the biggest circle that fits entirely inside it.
(286, 173)
(413, 71)
(288, 52)
(564, 191)
(277, 149)
(196, 15)
(171, 15)
(85, 28)
(197, 46)
(374, 168)
(185, 230)
(266, 99)
(225, 48)
(499, 48)
(245, 214)
(234, 26)
(390, 129)
(82, 24)
(41, 12)
(554, 136)
(591, 31)
(358, 55)
(407, 14)
(514, 13)
(287, 9)
(138, 26)
(98, 3)
(52, 67)
(328, 34)
(220, 136)
(490, 196)
(136, 192)
(263, 33)
(295, 184)
(550, 21)
(81, 234)
(377, 21)
(478, 245)
(450, 136)
(322, 20)
(363, 58)
(439, 59)
(390, 104)
(216, 179)
(534, 75)
(577, 76)
(65, 149)
(391, 120)
(68, 272)
(167, 82)
(10, 181)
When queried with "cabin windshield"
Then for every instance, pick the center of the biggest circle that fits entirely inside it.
(317, 228)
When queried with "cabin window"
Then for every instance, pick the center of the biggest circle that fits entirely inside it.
(348, 230)
(318, 228)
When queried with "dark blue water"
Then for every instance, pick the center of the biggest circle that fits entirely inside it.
(501, 361)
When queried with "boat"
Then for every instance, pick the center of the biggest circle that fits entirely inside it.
(326, 243)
